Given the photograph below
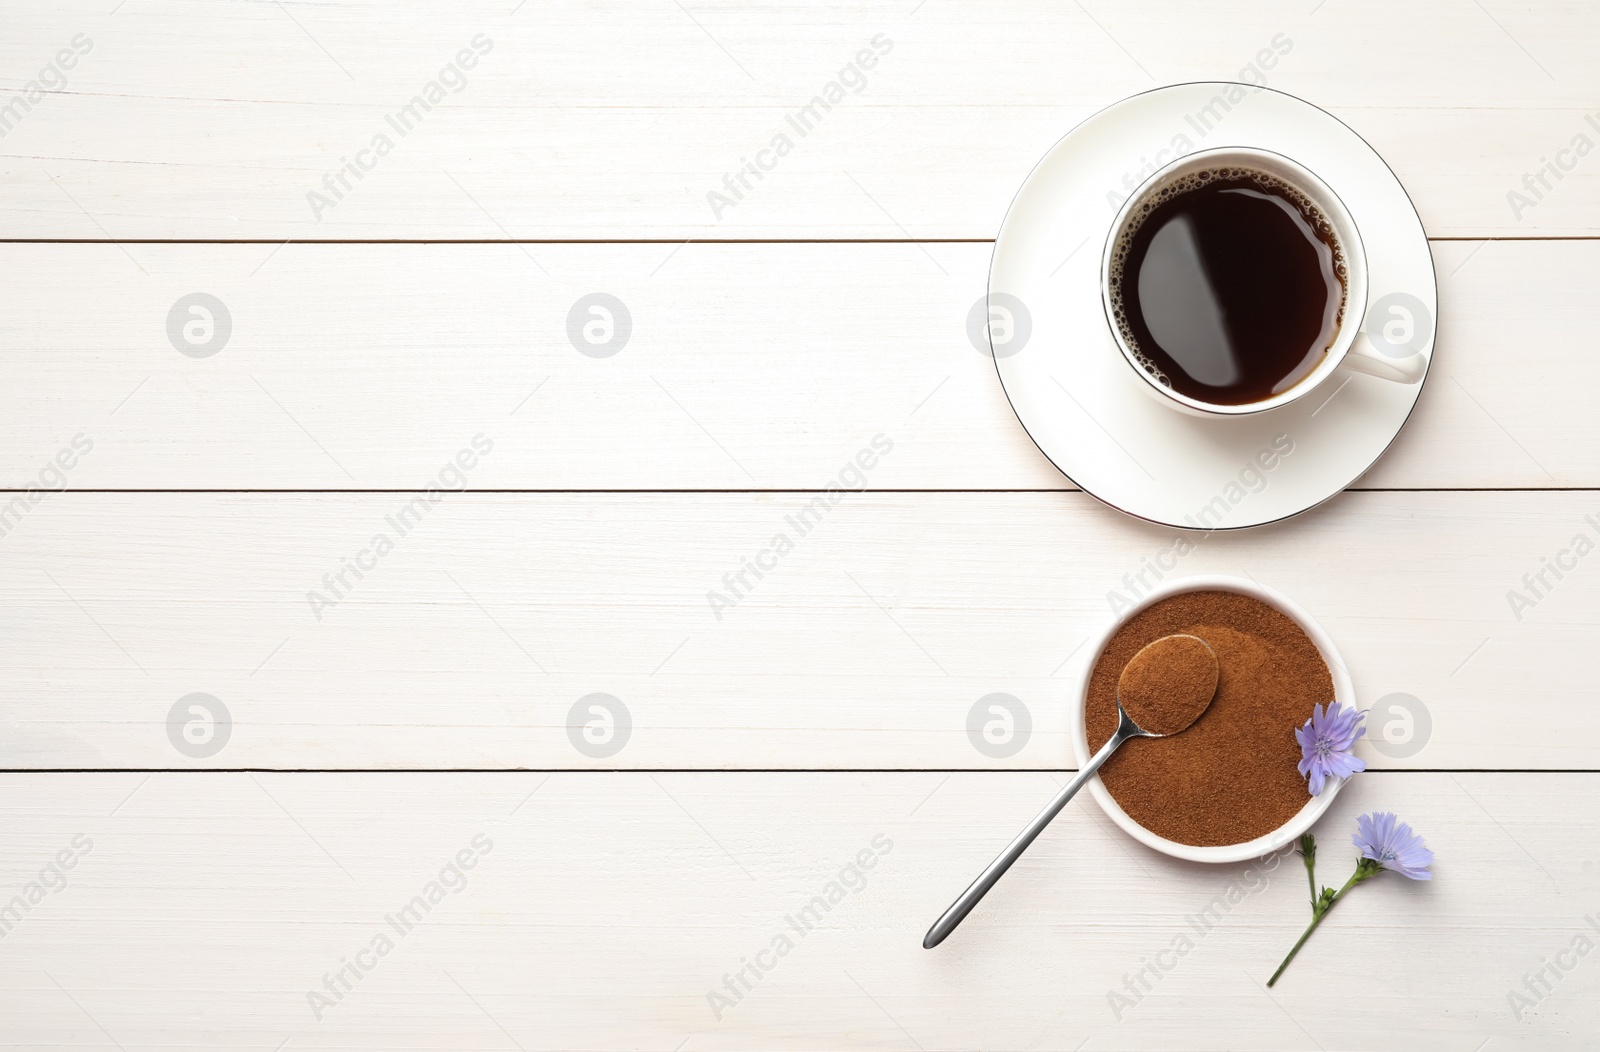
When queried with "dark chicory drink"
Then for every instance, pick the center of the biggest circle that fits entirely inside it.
(1228, 286)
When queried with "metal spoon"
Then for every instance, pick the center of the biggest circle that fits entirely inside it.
(1165, 648)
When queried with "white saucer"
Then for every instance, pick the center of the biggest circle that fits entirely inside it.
(1082, 403)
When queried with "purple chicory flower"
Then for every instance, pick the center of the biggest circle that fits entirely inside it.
(1390, 842)
(1385, 843)
(1325, 744)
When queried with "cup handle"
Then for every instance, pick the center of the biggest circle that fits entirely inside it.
(1364, 357)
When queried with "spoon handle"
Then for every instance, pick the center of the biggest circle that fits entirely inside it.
(962, 906)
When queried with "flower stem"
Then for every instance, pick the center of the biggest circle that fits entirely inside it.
(1308, 851)
(1361, 873)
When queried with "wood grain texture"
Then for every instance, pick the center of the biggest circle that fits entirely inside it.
(865, 646)
(821, 721)
(616, 119)
(609, 906)
(748, 367)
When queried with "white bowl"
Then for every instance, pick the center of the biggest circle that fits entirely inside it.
(1343, 692)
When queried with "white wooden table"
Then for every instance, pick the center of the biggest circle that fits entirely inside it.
(363, 748)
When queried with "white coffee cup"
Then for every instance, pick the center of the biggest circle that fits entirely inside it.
(1351, 348)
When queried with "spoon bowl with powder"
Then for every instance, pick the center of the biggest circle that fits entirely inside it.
(1163, 689)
